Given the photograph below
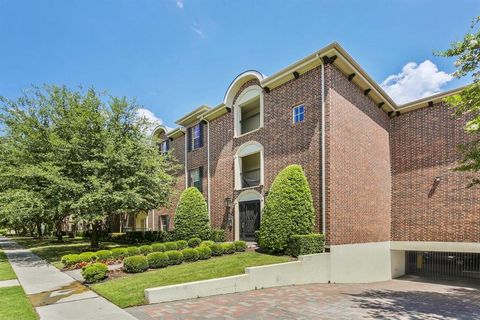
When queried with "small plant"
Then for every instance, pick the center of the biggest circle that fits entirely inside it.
(207, 243)
(132, 251)
(158, 247)
(169, 246)
(228, 248)
(218, 235)
(174, 257)
(217, 249)
(194, 242)
(70, 260)
(94, 272)
(300, 244)
(135, 264)
(104, 255)
(157, 260)
(240, 246)
(119, 253)
(145, 249)
(204, 252)
(190, 254)
(88, 257)
(181, 244)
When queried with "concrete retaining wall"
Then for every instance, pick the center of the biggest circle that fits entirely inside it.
(313, 268)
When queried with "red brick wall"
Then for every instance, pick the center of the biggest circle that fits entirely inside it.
(358, 164)
(424, 146)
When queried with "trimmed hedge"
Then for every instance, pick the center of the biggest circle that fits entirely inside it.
(145, 249)
(70, 260)
(88, 257)
(181, 244)
(300, 244)
(194, 242)
(217, 249)
(133, 251)
(174, 257)
(169, 246)
(157, 260)
(228, 248)
(240, 246)
(190, 254)
(191, 217)
(218, 235)
(288, 209)
(135, 264)
(119, 253)
(94, 272)
(207, 243)
(204, 252)
(104, 255)
(158, 247)
(136, 237)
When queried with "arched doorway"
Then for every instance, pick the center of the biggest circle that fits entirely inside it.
(248, 208)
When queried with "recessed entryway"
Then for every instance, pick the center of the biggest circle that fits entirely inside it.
(249, 219)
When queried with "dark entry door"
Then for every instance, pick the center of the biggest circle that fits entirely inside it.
(249, 219)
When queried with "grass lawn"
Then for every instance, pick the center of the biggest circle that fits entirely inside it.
(15, 305)
(52, 251)
(6, 271)
(129, 291)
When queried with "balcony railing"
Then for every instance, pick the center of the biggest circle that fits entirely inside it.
(250, 178)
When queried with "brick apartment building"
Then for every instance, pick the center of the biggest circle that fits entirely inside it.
(381, 175)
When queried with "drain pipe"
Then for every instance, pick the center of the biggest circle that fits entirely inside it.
(186, 156)
(208, 167)
(324, 200)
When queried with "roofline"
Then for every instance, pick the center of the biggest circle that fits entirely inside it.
(424, 102)
(192, 116)
(175, 132)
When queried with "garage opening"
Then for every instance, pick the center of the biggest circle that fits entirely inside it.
(443, 265)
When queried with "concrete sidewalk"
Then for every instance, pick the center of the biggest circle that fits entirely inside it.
(54, 294)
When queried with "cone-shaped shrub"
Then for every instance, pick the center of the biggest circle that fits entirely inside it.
(191, 216)
(288, 209)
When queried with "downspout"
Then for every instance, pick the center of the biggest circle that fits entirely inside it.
(186, 154)
(324, 200)
(208, 167)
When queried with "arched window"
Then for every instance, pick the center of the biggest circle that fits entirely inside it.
(249, 165)
(248, 110)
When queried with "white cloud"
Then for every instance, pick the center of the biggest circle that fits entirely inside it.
(415, 81)
(197, 30)
(153, 120)
(179, 4)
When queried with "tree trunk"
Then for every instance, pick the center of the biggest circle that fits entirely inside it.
(94, 237)
(39, 230)
(59, 231)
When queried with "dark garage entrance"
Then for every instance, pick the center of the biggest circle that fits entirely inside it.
(443, 265)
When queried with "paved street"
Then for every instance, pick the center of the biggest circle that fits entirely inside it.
(396, 299)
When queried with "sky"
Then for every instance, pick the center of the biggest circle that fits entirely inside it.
(175, 55)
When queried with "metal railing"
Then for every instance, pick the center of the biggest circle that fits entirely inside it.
(250, 178)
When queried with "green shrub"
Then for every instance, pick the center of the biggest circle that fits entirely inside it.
(194, 242)
(191, 217)
(217, 249)
(158, 247)
(88, 257)
(181, 244)
(207, 243)
(70, 260)
(218, 235)
(119, 253)
(190, 254)
(174, 257)
(133, 251)
(204, 252)
(300, 244)
(169, 246)
(288, 209)
(240, 246)
(228, 248)
(157, 260)
(104, 255)
(135, 264)
(94, 272)
(145, 249)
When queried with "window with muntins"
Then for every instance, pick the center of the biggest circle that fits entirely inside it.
(195, 137)
(164, 147)
(164, 222)
(299, 113)
(195, 178)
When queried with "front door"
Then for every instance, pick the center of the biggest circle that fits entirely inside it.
(249, 219)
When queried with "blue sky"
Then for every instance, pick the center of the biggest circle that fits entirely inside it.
(174, 55)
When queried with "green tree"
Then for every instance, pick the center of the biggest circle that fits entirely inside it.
(191, 217)
(467, 102)
(288, 209)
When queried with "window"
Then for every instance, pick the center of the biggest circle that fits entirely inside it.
(164, 219)
(248, 165)
(250, 173)
(248, 110)
(164, 146)
(195, 178)
(298, 113)
(250, 116)
(195, 137)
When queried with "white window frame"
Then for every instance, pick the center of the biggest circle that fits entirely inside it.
(249, 94)
(300, 113)
(164, 146)
(192, 182)
(196, 138)
(244, 150)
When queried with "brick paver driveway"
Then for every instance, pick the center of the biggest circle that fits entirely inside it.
(396, 299)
